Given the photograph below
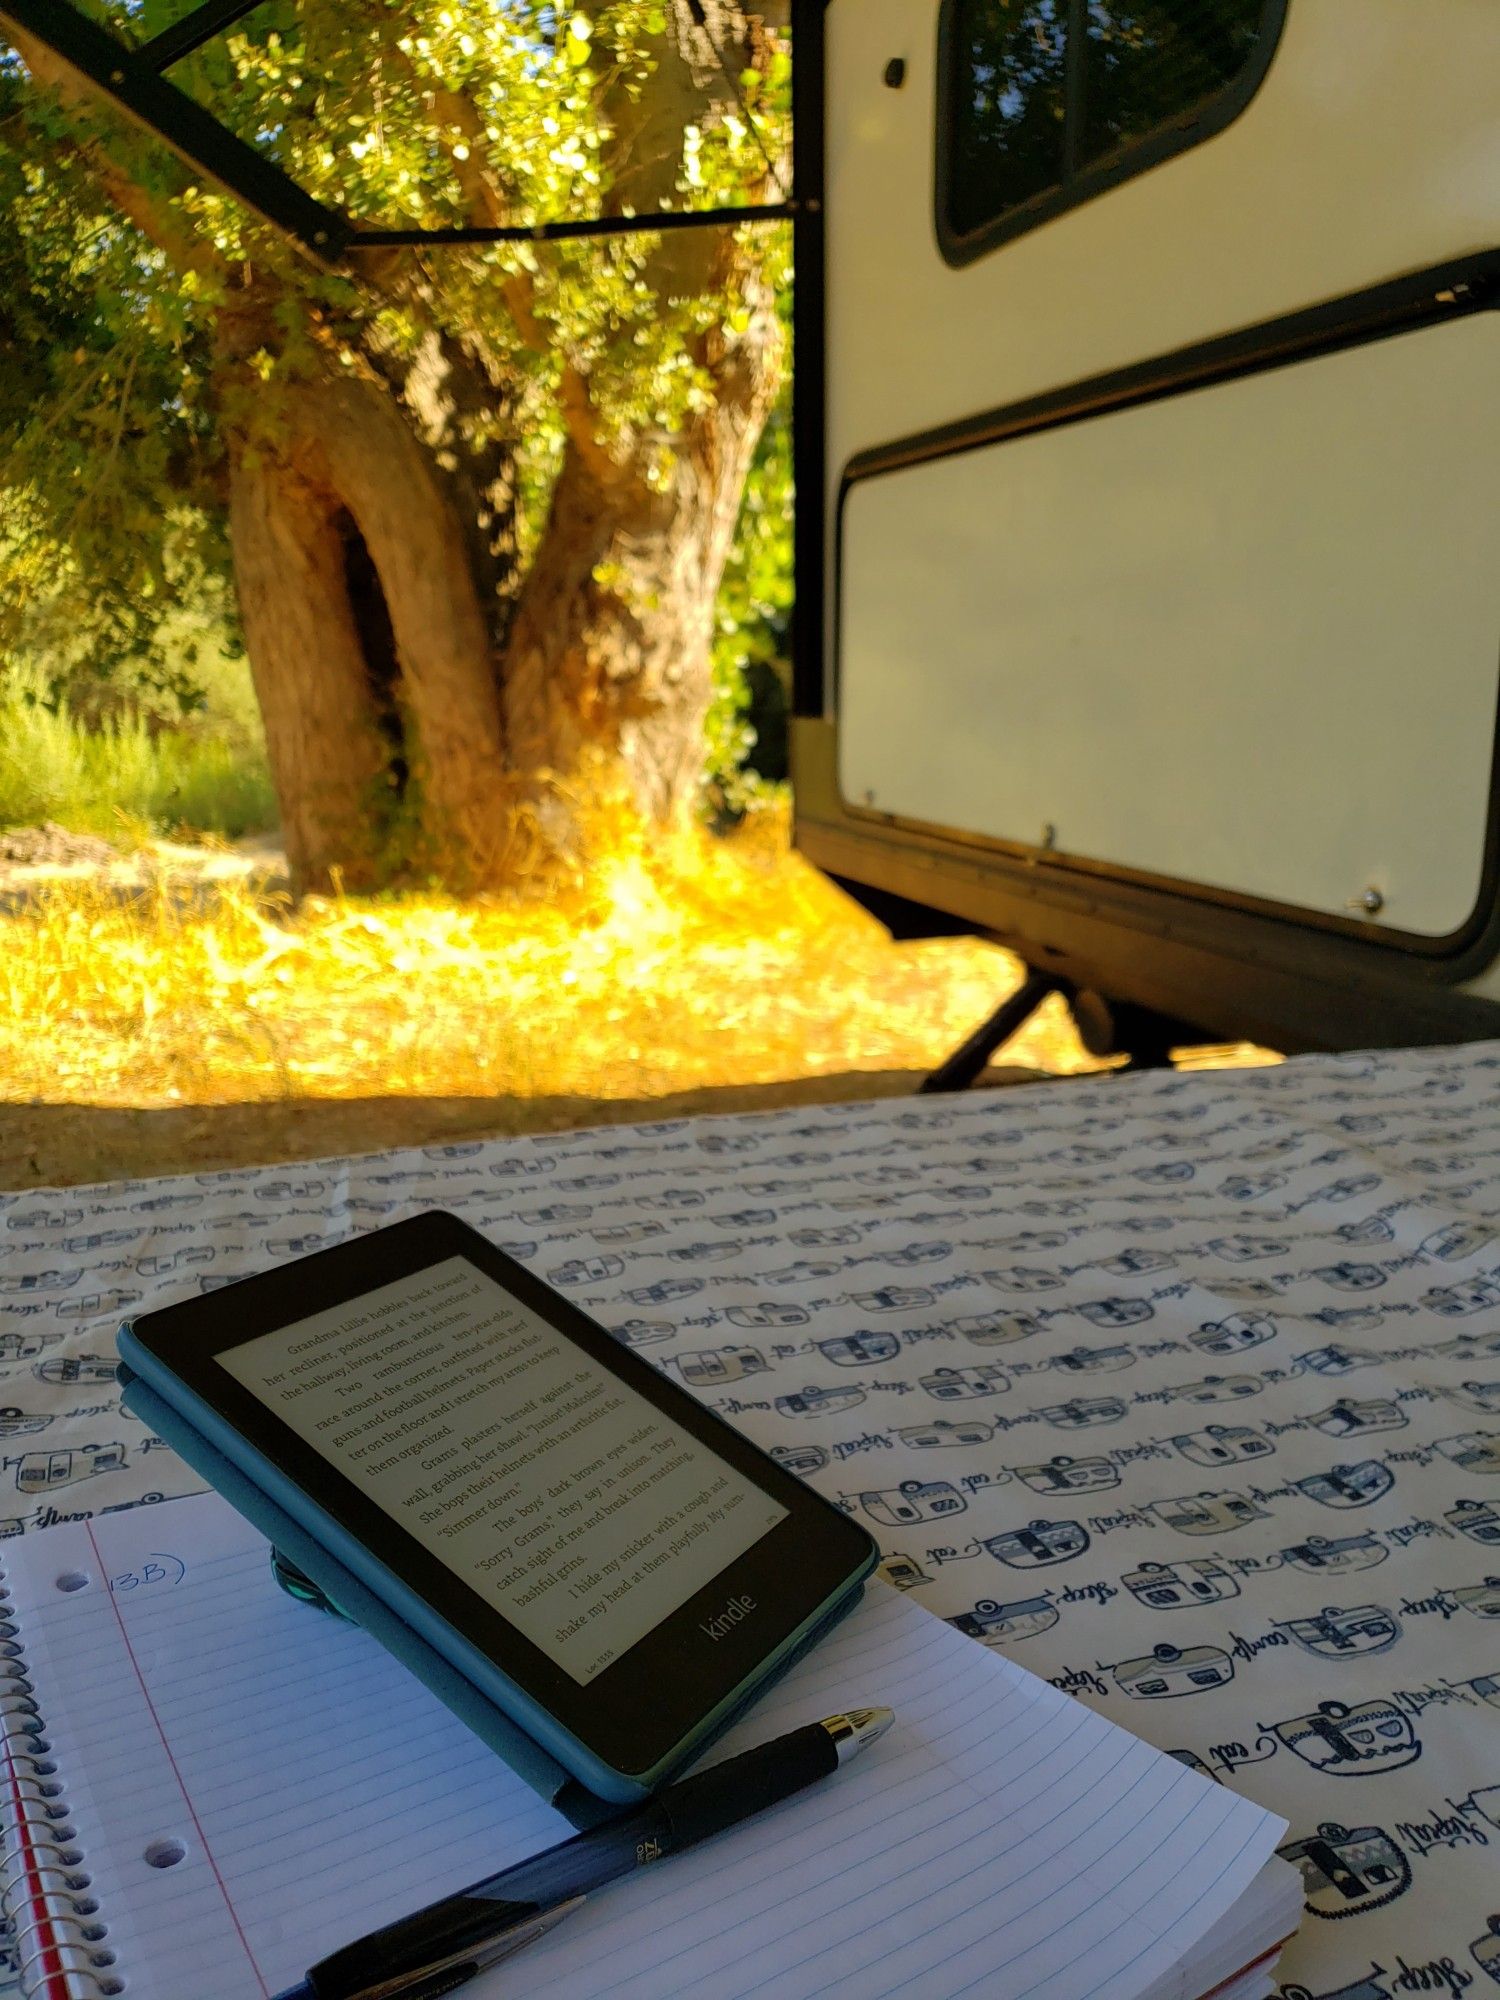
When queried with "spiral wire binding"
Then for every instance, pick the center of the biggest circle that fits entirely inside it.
(58, 1938)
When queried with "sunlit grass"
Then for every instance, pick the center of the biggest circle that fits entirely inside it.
(673, 964)
(210, 774)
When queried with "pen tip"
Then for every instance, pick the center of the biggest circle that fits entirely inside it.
(863, 1726)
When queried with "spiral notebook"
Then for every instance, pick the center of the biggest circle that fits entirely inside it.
(207, 1787)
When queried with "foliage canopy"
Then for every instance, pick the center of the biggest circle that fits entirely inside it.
(134, 325)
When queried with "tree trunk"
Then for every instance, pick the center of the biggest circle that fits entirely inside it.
(608, 668)
(445, 690)
(369, 645)
(607, 673)
(329, 759)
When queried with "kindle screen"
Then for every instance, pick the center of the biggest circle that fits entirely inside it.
(559, 1494)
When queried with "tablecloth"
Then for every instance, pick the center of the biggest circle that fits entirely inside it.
(1184, 1390)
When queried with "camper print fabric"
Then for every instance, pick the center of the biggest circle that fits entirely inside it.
(1182, 1390)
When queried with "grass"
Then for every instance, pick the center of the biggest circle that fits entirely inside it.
(207, 776)
(675, 964)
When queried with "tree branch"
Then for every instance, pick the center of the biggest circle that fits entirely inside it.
(182, 247)
(473, 167)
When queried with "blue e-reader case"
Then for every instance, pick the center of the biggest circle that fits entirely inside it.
(526, 1757)
(510, 1743)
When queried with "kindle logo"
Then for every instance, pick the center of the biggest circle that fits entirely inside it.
(734, 1612)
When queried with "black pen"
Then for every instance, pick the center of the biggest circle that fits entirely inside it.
(449, 1942)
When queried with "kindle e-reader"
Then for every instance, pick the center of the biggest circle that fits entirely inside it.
(610, 1564)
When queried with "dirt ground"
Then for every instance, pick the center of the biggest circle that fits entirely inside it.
(66, 1145)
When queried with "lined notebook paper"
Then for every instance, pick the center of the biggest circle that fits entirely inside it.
(1002, 1839)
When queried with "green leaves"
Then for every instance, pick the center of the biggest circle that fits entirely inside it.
(123, 371)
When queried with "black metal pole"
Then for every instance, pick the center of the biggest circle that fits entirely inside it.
(966, 1061)
(192, 31)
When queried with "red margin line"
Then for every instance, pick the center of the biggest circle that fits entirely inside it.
(176, 1773)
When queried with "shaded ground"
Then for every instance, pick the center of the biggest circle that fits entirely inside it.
(62, 1145)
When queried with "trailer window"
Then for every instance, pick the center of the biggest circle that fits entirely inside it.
(1043, 103)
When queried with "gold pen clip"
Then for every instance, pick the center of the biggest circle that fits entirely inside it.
(474, 1959)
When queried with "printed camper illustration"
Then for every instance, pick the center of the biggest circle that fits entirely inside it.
(1339, 1555)
(1069, 1475)
(1216, 1389)
(940, 1432)
(1473, 1451)
(1373, 1229)
(1472, 1345)
(25, 1346)
(996, 1329)
(161, 1264)
(801, 1459)
(50, 1219)
(1223, 1444)
(1336, 1359)
(19, 1283)
(1348, 1485)
(1483, 1599)
(1347, 1871)
(636, 1232)
(1349, 1276)
(860, 1350)
(1180, 1585)
(1478, 1519)
(1457, 1239)
(1022, 1278)
(1353, 1319)
(1083, 1412)
(643, 1332)
(892, 1298)
(1117, 1312)
(1095, 1360)
(1476, 1395)
(1167, 1671)
(1245, 1249)
(657, 1294)
(15, 1422)
(768, 1312)
(710, 1366)
(952, 1385)
(1206, 1513)
(1233, 1335)
(71, 1368)
(1485, 1951)
(44, 1471)
(998, 1624)
(815, 1402)
(1336, 1634)
(1348, 1742)
(582, 1270)
(1039, 1544)
(1471, 1295)
(912, 1501)
(1350, 1418)
(904, 1571)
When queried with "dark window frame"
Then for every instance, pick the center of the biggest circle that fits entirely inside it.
(1137, 156)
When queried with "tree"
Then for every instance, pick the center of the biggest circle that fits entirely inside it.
(477, 505)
